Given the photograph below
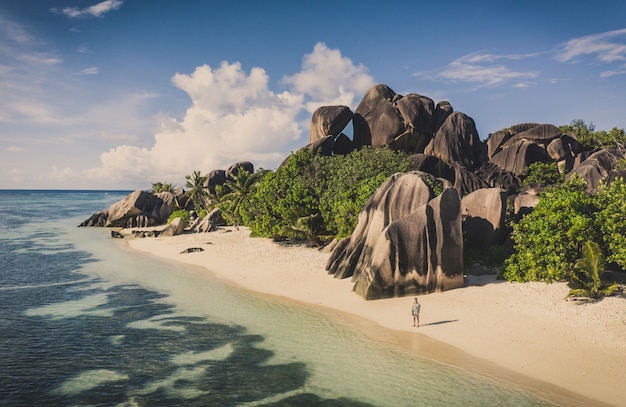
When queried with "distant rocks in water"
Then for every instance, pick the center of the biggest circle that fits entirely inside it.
(116, 235)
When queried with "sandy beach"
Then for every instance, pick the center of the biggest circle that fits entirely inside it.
(526, 334)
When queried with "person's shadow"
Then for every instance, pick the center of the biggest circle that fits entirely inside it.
(440, 322)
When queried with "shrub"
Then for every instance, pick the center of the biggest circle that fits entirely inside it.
(548, 240)
(181, 213)
(336, 188)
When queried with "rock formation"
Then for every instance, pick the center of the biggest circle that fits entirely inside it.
(155, 208)
(483, 212)
(383, 256)
(329, 121)
(419, 253)
(457, 141)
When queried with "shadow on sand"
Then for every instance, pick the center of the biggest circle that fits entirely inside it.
(440, 322)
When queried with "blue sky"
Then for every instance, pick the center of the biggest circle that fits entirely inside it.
(117, 94)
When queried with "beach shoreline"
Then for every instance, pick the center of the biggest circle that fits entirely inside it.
(523, 334)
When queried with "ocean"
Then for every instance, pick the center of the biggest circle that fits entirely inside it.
(86, 322)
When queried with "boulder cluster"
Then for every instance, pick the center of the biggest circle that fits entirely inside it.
(407, 241)
(410, 236)
(143, 209)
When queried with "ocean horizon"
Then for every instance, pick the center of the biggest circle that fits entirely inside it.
(87, 322)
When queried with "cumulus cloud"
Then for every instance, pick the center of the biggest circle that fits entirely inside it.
(234, 115)
(608, 47)
(482, 69)
(328, 76)
(97, 10)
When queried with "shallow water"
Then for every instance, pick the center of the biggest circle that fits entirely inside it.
(85, 322)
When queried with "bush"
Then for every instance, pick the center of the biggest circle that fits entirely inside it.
(336, 188)
(544, 174)
(181, 213)
(548, 241)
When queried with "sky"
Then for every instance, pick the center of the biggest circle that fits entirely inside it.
(119, 94)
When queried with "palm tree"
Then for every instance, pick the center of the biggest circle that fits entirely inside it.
(587, 271)
(196, 190)
(239, 187)
(308, 227)
(162, 187)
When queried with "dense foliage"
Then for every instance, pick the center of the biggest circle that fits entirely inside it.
(549, 240)
(591, 139)
(544, 174)
(308, 186)
(180, 213)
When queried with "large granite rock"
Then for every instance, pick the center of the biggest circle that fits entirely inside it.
(416, 254)
(541, 134)
(399, 196)
(215, 178)
(483, 212)
(97, 219)
(457, 141)
(461, 178)
(518, 156)
(175, 228)
(329, 121)
(597, 167)
(231, 171)
(384, 118)
(156, 208)
(497, 177)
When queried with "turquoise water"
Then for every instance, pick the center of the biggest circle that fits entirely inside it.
(84, 322)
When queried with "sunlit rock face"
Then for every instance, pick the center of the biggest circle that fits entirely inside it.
(405, 241)
(407, 123)
(417, 254)
(143, 207)
(457, 140)
(483, 212)
(329, 121)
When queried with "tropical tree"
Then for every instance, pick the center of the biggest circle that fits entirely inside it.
(586, 275)
(162, 187)
(239, 188)
(196, 190)
(310, 228)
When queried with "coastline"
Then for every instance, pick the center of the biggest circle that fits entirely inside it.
(525, 334)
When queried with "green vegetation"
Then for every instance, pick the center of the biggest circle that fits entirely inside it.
(612, 220)
(180, 213)
(566, 224)
(198, 194)
(591, 139)
(311, 186)
(544, 174)
(239, 188)
(586, 275)
(162, 187)
(547, 240)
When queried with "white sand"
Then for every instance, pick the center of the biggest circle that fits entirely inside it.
(515, 330)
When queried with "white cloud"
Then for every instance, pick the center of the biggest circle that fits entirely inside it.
(609, 47)
(97, 10)
(89, 71)
(14, 149)
(482, 70)
(328, 76)
(235, 116)
(619, 71)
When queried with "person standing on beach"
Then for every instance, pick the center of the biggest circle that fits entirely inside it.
(415, 311)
